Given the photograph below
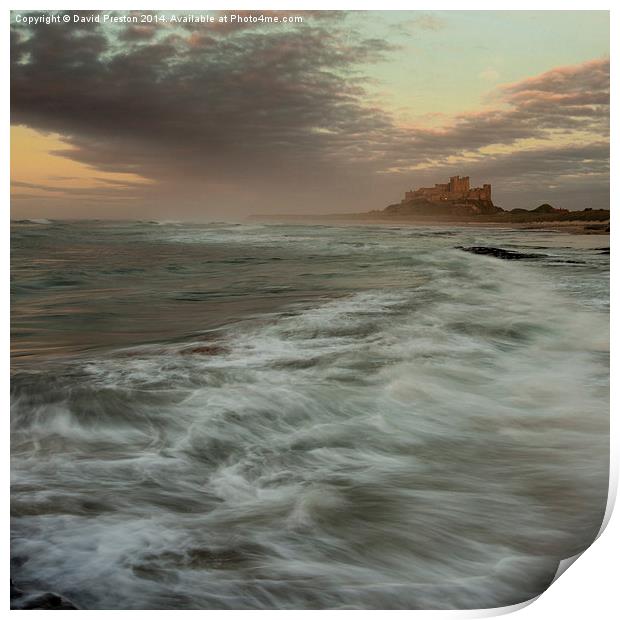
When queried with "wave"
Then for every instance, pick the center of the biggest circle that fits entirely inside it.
(41, 220)
(436, 445)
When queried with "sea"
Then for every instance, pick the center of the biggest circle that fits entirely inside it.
(304, 416)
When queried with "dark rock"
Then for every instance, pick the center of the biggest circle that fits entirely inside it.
(499, 252)
(207, 349)
(48, 600)
(45, 600)
(38, 600)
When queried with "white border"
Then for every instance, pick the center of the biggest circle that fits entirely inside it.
(587, 588)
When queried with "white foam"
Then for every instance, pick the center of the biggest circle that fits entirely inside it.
(438, 445)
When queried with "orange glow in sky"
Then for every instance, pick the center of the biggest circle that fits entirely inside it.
(33, 161)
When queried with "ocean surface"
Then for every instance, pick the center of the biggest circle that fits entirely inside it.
(304, 416)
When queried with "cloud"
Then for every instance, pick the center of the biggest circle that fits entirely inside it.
(118, 191)
(138, 32)
(263, 92)
(421, 22)
(279, 117)
(568, 101)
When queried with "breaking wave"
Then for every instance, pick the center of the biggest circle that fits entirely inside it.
(429, 436)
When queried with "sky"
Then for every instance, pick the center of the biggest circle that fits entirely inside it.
(342, 112)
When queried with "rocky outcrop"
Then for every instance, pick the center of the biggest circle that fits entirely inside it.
(425, 208)
(499, 252)
(38, 600)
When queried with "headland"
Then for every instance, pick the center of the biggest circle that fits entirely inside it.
(456, 203)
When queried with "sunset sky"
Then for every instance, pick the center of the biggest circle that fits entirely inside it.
(343, 112)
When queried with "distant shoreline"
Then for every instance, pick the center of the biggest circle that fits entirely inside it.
(579, 227)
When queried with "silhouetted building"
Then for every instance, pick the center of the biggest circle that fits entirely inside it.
(455, 190)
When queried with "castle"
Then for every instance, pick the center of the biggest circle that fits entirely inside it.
(456, 190)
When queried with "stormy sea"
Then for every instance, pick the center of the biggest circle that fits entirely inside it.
(264, 416)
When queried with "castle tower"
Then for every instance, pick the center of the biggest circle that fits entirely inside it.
(459, 185)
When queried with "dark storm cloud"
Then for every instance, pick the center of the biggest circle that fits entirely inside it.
(138, 32)
(250, 99)
(283, 109)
